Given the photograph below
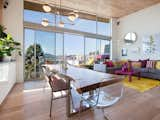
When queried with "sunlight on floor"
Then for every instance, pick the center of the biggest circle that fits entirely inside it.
(34, 90)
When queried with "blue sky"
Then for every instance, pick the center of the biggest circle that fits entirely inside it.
(73, 44)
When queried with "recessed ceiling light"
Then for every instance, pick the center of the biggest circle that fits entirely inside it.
(46, 8)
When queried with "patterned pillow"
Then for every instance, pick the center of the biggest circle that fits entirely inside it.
(150, 64)
(125, 67)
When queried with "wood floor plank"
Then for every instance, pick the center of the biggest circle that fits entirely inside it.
(33, 104)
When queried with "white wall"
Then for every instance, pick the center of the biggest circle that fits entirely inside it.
(12, 19)
(114, 48)
(144, 22)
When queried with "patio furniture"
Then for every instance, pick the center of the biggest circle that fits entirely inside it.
(129, 74)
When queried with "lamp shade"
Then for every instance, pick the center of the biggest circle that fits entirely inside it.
(46, 8)
(45, 22)
(73, 16)
(61, 24)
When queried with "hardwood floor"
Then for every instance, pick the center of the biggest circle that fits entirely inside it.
(25, 103)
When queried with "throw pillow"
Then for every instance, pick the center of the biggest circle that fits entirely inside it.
(143, 63)
(125, 67)
(109, 63)
(158, 65)
(150, 64)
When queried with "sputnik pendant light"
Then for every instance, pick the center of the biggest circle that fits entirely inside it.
(61, 23)
(45, 22)
(46, 8)
(73, 16)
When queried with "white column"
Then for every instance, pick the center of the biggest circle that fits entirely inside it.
(114, 41)
(12, 19)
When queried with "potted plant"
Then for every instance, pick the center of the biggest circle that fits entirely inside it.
(7, 45)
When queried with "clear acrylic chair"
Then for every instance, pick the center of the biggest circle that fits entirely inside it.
(102, 97)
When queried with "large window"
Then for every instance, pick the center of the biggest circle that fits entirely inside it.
(90, 49)
(85, 25)
(104, 28)
(36, 17)
(29, 54)
(78, 44)
(74, 49)
(105, 47)
(59, 47)
(39, 49)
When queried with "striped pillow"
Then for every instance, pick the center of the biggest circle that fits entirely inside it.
(150, 64)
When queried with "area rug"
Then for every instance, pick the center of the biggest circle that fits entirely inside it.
(141, 85)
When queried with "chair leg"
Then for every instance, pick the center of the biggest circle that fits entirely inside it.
(80, 107)
(122, 91)
(72, 101)
(51, 105)
(106, 117)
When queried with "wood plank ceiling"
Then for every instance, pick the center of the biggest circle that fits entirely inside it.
(1, 7)
(105, 8)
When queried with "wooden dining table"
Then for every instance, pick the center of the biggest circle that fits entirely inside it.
(83, 80)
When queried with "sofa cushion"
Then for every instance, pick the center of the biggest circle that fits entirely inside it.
(145, 70)
(154, 71)
(158, 65)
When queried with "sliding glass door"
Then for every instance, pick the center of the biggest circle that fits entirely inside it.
(74, 49)
(45, 50)
(39, 49)
(29, 52)
(43, 47)
(59, 47)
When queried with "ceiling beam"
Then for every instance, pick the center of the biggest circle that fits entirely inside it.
(64, 30)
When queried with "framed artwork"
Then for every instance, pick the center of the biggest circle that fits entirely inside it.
(124, 52)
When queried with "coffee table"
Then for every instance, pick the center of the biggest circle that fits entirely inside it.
(129, 73)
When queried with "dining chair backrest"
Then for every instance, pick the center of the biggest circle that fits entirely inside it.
(46, 70)
(57, 83)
